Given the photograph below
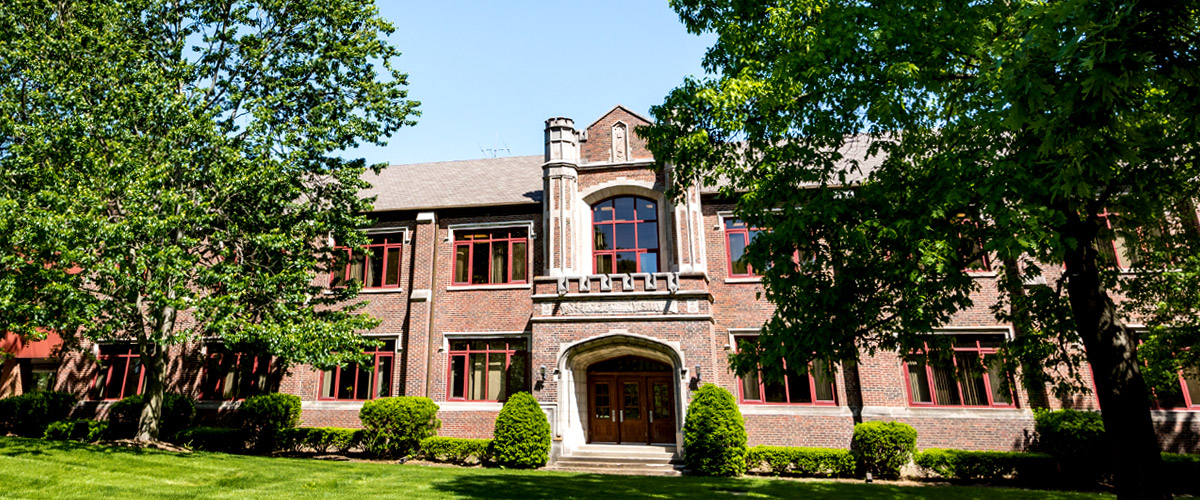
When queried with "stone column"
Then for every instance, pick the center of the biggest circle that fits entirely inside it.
(688, 224)
(560, 194)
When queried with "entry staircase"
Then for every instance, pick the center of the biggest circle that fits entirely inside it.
(642, 460)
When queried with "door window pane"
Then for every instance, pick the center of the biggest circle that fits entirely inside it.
(602, 402)
(633, 401)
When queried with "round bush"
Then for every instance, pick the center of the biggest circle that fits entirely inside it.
(522, 435)
(87, 431)
(28, 415)
(394, 427)
(1076, 439)
(177, 413)
(267, 417)
(883, 448)
(714, 434)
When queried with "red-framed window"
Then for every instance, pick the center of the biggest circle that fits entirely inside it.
(983, 262)
(375, 265)
(354, 382)
(1118, 251)
(980, 381)
(232, 376)
(488, 369)
(739, 235)
(625, 235)
(121, 372)
(813, 388)
(491, 256)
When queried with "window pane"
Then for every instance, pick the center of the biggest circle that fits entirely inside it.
(604, 264)
(603, 236)
(945, 388)
(996, 379)
(798, 390)
(974, 390)
(646, 210)
(737, 249)
(602, 401)
(461, 265)
(775, 391)
(517, 232)
(632, 401)
(625, 237)
(649, 262)
(624, 208)
(517, 375)
(383, 377)
(375, 268)
(478, 372)
(823, 380)
(1191, 381)
(661, 402)
(392, 277)
(918, 383)
(626, 262)
(734, 224)
(338, 270)
(518, 261)
(1125, 250)
(497, 345)
(362, 389)
(647, 233)
(516, 344)
(345, 387)
(357, 266)
(479, 263)
(132, 378)
(327, 384)
(458, 345)
(500, 262)
(495, 375)
(603, 212)
(750, 388)
(458, 376)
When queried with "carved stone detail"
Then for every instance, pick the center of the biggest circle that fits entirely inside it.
(598, 307)
(620, 142)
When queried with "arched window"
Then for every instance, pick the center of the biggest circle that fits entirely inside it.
(625, 235)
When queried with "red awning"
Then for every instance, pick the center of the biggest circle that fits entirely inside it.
(21, 348)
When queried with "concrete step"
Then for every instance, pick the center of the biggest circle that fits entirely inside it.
(662, 460)
(632, 455)
(616, 468)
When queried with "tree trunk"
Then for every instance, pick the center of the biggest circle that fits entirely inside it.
(1124, 400)
(154, 361)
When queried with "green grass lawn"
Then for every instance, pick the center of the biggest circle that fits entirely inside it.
(31, 468)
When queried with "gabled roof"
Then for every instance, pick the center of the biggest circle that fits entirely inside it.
(512, 180)
(614, 108)
(855, 148)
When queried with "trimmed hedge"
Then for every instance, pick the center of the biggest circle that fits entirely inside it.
(1180, 472)
(457, 450)
(394, 427)
(219, 439)
(177, 413)
(323, 439)
(522, 435)
(29, 414)
(986, 465)
(84, 430)
(1076, 439)
(266, 419)
(816, 462)
(883, 448)
(714, 434)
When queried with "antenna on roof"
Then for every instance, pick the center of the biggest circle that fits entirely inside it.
(497, 147)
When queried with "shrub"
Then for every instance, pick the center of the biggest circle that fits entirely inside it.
(1180, 472)
(1076, 439)
(714, 434)
(221, 439)
(267, 417)
(985, 465)
(819, 462)
(87, 431)
(883, 448)
(28, 415)
(323, 439)
(456, 450)
(395, 426)
(177, 413)
(522, 434)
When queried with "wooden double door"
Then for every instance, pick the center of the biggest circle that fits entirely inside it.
(631, 408)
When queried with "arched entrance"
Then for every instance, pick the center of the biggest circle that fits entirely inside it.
(630, 400)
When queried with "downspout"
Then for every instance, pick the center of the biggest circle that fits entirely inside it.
(433, 288)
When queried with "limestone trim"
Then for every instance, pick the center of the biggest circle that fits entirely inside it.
(656, 317)
(448, 337)
(331, 405)
(507, 286)
(525, 223)
(620, 187)
(944, 412)
(793, 409)
(469, 405)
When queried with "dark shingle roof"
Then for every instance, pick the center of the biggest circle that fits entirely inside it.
(450, 184)
(855, 148)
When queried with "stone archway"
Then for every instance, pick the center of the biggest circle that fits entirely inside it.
(574, 360)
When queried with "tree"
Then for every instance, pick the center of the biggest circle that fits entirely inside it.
(169, 170)
(1006, 129)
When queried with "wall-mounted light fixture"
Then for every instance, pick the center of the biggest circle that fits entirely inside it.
(543, 372)
(697, 372)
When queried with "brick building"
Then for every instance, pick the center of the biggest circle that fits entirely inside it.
(571, 276)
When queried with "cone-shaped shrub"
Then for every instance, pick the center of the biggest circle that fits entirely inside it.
(714, 434)
(522, 435)
(883, 448)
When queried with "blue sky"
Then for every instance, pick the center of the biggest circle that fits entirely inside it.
(490, 73)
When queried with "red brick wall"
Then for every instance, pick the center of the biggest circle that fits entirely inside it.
(598, 147)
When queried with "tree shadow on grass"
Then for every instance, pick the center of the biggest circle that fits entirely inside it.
(517, 486)
(17, 446)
